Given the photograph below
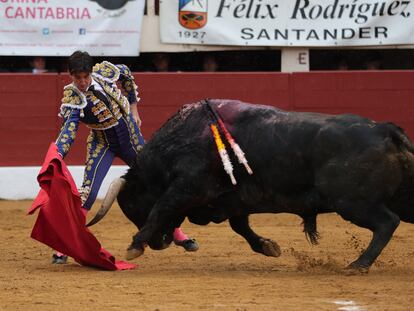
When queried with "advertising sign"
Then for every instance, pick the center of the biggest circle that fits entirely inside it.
(57, 28)
(299, 23)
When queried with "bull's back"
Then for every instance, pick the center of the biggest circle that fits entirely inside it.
(297, 151)
(290, 142)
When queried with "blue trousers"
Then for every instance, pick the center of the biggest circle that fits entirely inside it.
(121, 141)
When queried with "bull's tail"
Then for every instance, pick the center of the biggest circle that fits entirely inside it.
(309, 227)
(398, 136)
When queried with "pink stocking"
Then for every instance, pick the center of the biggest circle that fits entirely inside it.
(179, 235)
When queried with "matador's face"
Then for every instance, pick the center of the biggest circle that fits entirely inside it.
(82, 80)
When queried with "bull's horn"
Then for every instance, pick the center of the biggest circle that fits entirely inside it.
(109, 199)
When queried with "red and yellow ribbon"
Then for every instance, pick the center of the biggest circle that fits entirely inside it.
(217, 138)
(225, 159)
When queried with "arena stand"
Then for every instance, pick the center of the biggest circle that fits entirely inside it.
(30, 104)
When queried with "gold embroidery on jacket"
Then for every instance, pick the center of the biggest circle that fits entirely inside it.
(96, 143)
(108, 71)
(72, 98)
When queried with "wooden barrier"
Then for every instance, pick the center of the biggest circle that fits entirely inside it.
(29, 103)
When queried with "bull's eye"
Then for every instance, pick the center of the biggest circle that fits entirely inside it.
(164, 237)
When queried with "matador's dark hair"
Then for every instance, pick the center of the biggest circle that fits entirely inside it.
(80, 61)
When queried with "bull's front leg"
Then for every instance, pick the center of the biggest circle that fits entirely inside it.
(140, 239)
(156, 223)
(161, 221)
(268, 247)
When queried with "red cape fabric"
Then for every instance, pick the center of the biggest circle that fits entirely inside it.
(61, 222)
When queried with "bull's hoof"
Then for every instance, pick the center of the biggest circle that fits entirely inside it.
(133, 252)
(270, 248)
(355, 269)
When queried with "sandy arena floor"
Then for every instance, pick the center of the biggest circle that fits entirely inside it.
(223, 275)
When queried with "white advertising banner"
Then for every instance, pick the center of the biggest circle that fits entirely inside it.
(298, 23)
(58, 28)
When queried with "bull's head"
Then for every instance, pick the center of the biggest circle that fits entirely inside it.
(136, 205)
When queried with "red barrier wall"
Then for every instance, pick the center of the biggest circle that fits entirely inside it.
(29, 103)
(382, 95)
(28, 117)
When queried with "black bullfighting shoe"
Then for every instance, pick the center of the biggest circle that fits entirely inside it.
(190, 245)
(56, 259)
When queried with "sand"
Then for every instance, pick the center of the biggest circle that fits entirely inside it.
(225, 274)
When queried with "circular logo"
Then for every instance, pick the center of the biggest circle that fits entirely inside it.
(193, 14)
(111, 4)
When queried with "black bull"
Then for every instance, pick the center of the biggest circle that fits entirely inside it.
(303, 163)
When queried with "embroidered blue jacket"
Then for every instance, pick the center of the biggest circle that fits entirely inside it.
(87, 108)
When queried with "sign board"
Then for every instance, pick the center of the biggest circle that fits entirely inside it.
(301, 23)
(58, 28)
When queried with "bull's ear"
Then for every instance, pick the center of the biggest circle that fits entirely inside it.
(113, 190)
